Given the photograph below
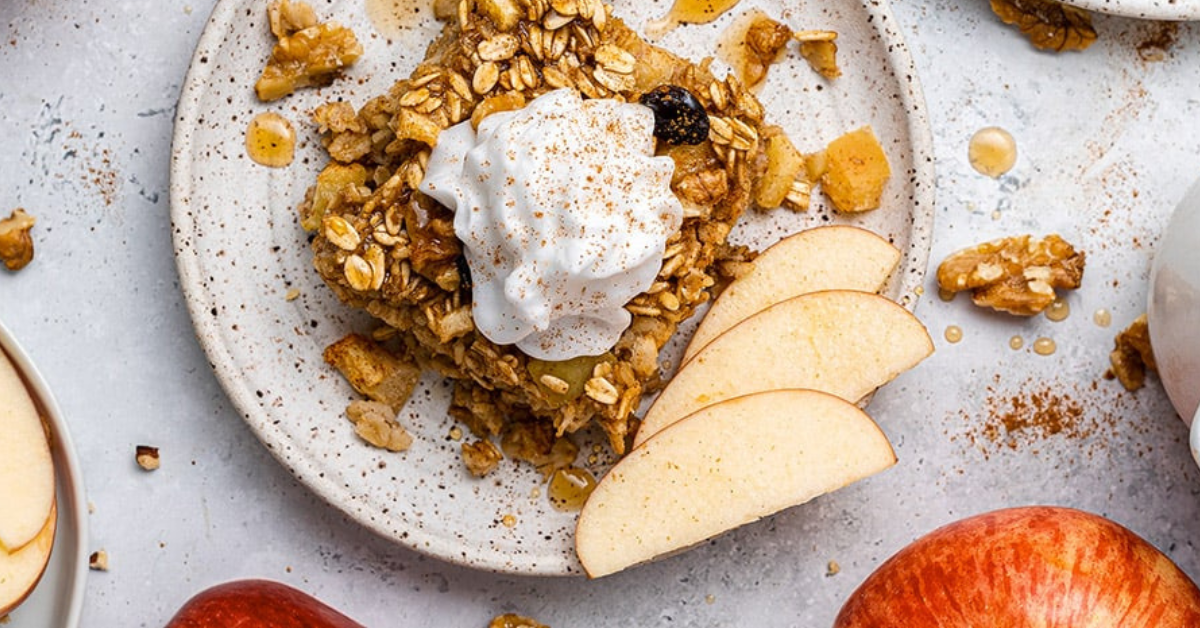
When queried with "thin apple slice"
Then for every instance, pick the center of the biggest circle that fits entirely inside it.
(837, 257)
(725, 466)
(26, 468)
(842, 342)
(21, 570)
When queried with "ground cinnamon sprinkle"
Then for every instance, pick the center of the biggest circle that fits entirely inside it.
(1032, 413)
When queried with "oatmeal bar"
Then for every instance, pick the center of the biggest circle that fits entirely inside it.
(385, 247)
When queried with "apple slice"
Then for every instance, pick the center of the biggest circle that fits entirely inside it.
(725, 466)
(842, 342)
(825, 258)
(21, 570)
(26, 468)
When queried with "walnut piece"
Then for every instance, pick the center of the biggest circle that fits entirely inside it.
(287, 17)
(1049, 25)
(16, 245)
(376, 423)
(765, 42)
(1132, 355)
(147, 457)
(819, 49)
(510, 620)
(481, 457)
(373, 371)
(1018, 274)
(311, 55)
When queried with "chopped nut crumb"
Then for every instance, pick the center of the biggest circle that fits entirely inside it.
(832, 569)
(98, 561)
(481, 457)
(1017, 275)
(147, 457)
(1132, 356)
(510, 620)
(307, 53)
(819, 49)
(16, 245)
(376, 423)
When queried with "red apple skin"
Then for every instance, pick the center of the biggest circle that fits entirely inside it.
(1031, 567)
(257, 604)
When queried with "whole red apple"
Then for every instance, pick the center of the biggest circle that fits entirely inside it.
(1038, 566)
(257, 604)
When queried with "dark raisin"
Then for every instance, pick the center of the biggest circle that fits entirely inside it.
(464, 273)
(679, 118)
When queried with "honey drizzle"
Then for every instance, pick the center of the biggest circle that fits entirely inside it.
(569, 488)
(271, 140)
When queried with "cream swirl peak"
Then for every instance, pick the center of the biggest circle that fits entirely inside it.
(564, 213)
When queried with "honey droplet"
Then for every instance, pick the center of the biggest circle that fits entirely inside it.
(1102, 317)
(569, 488)
(699, 11)
(946, 295)
(456, 433)
(992, 151)
(688, 12)
(271, 140)
(1058, 311)
(1016, 342)
(509, 521)
(954, 333)
(1044, 346)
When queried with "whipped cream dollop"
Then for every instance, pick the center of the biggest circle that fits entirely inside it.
(564, 213)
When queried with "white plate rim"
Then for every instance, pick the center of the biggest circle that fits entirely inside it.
(1184, 10)
(68, 475)
(908, 287)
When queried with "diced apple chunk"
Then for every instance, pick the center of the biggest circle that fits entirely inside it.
(856, 171)
(784, 164)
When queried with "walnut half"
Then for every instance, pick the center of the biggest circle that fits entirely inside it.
(16, 245)
(1017, 275)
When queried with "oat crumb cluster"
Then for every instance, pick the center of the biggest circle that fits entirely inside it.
(385, 247)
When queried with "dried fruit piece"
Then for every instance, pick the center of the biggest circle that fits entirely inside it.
(1049, 25)
(1017, 275)
(856, 169)
(307, 57)
(679, 118)
(1132, 355)
(16, 245)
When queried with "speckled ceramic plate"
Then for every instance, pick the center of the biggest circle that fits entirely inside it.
(240, 251)
(58, 598)
(1143, 9)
